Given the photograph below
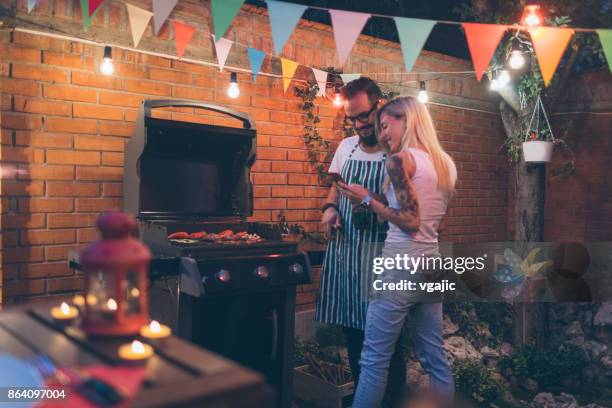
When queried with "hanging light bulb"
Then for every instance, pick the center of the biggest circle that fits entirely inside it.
(516, 60)
(233, 91)
(423, 97)
(503, 78)
(493, 81)
(107, 67)
(337, 101)
(532, 16)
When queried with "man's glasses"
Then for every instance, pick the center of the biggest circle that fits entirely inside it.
(363, 117)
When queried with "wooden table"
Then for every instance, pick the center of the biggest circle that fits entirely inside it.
(178, 375)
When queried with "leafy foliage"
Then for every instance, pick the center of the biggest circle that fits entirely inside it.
(473, 380)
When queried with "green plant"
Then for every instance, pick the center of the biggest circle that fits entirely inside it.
(473, 380)
(301, 348)
(330, 335)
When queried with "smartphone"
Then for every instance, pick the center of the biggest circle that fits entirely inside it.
(99, 392)
(336, 178)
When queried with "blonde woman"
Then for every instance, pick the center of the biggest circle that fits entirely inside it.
(420, 181)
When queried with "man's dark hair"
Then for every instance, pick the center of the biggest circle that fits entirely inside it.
(363, 84)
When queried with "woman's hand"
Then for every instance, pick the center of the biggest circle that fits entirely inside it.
(354, 192)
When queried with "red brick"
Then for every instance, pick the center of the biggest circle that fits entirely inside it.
(14, 53)
(96, 112)
(287, 167)
(287, 192)
(116, 129)
(71, 220)
(44, 270)
(99, 143)
(266, 178)
(22, 188)
(304, 203)
(261, 191)
(29, 105)
(24, 287)
(47, 237)
(99, 173)
(39, 73)
(168, 75)
(71, 284)
(20, 121)
(62, 59)
(23, 254)
(120, 99)
(34, 205)
(68, 189)
(60, 252)
(147, 87)
(269, 153)
(270, 203)
(73, 157)
(192, 92)
(70, 125)
(270, 103)
(285, 141)
(70, 93)
(95, 80)
(29, 138)
(44, 172)
(87, 235)
(98, 204)
(19, 87)
(22, 155)
(112, 189)
(112, 159)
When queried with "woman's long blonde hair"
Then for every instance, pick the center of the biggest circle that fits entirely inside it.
(420, 131)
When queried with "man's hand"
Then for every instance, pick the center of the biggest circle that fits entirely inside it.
(354, 192)
(330, 221)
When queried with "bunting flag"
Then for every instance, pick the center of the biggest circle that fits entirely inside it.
(139, 19)
(182, 36)
(93, 5)
(223, 13)
(289, 67)
(412, 35)
(605, 37)
(283, 19)
(32, 4)
(347, 27)
(256, 58)
(87, 17)
(321, 78)
(222, 49)
(346, 78)
(549, 45)
(161, 12)
(482, 41)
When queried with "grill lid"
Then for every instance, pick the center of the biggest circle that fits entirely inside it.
(184, 170)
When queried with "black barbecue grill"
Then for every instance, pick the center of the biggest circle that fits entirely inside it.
(235, 298)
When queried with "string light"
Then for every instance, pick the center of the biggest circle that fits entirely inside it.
(107, 67)
(423, 97)
(516, 60)
(532, 16)
(233, 91)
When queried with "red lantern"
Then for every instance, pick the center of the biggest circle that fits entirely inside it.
(116, 273)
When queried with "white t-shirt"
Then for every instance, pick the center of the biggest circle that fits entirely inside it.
(344, 150)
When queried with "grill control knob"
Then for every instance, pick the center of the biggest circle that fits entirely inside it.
(262, 272)
(296, 269)
(223, 276)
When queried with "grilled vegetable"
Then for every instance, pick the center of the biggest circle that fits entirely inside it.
(178, 235)
(197, 235)
(226, 233)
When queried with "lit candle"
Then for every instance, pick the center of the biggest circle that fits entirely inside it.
(135, 351)
(155, 331)
(78, 301)
(64, 313)
(111, 304)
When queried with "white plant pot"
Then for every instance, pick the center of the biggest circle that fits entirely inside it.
(537, 151)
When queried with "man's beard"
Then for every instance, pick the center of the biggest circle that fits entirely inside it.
(367, 136)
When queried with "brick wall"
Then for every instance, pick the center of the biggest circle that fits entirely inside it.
(64, 128)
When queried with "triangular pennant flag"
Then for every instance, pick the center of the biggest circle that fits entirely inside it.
(222, 49)
(256, 58)
(412, 35)
(347, 27)
(482, 40)
(605, 37)
(223, 13)
(182, 36)
(32, 4)
(283, 19)
(321, 77)
(139, 19)
(549, 45)
(85, 12)
(346, 78)
(161, 11)
(93, 5)
(289, 67)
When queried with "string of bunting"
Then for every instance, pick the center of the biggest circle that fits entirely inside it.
(549, 42)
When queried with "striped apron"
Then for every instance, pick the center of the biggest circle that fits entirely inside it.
(343, 294)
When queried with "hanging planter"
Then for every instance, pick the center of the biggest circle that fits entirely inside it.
(539, 140)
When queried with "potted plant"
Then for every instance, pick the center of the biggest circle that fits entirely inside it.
(539, 140)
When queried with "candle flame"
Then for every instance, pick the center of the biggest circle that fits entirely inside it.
(134, 292)
(112, 304)
(155, 327)
(65, 308)
(137, 347)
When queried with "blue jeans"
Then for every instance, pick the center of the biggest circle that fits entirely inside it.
(384, 322)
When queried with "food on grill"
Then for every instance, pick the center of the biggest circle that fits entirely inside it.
(178, 235)
(223, 237)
